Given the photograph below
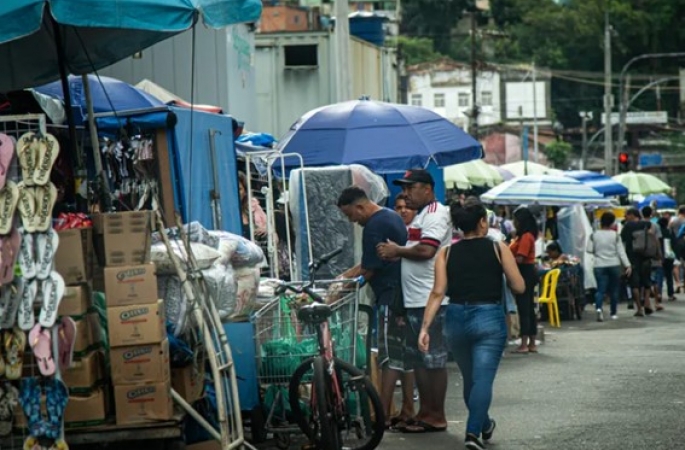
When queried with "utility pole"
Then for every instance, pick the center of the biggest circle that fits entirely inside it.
(474, 74)
(608, 99)
(583, 156)
(342, 46)
(535, 114)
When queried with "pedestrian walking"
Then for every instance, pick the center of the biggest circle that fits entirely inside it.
(669, 256)
(640, 249)
(380, 225)
(606, 246)
(523, 248)
(430, 230)
(470, 272)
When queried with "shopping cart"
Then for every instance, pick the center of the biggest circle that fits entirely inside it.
(283, 343)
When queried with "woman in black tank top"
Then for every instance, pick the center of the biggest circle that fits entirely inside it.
(470, 273)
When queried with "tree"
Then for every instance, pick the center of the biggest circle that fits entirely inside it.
(417, 50)
(433, 19)
(557, 153)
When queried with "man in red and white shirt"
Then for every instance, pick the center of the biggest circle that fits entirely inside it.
(430, 230)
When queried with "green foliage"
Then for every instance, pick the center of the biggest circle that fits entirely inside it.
(433, 19)
(557, 153)
(417, 50)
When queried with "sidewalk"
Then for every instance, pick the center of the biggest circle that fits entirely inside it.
(609, 385)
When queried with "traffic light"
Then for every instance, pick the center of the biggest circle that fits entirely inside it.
(623, 162)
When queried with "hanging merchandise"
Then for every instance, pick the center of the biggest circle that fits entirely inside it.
(130, 168)
(31, 292)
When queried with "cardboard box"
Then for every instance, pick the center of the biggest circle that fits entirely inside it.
(188, 381)
(140, 364)
(130, 285)
(143, 402)
(84, 373)
(76, 301)
(123, 239)
(86, 410)
(74, 255)
(136, 325)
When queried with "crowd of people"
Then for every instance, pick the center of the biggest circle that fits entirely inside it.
(441, 278)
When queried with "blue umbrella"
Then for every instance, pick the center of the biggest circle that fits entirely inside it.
(385, 137)
(603, 184)
(108, 94)
(41, 38)
(663, 201)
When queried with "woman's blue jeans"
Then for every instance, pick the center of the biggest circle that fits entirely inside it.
(477, 336)
(608, 282)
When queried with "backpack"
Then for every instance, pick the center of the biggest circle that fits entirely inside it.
(645, 242)
(679, 242)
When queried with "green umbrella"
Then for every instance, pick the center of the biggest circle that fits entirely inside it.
(642, 183)
(476, 173)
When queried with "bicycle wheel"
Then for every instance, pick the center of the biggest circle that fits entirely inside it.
(361, 424)
(329, 435)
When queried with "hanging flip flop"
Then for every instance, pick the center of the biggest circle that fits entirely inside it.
(14, 344)
(41, 345)
(45, 248)
(26, 318)
(46, 196)
(6, 155)
(9, 398)
(5, 295)
(10, 252)
(59, 444)
(9, 197)
(27, 207)
(2, 363)
(47, 155)
(27, 152)
(29, 398)
(67, 337)
(56, 399)
(27, 258)
(16, 290)
(53, 291)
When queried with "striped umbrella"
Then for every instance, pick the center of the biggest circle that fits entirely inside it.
(544, 190)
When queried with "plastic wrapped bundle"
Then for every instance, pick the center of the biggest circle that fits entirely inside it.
(239, 251)
(175, 302)
(204, 255)
(247, 286)
(222, 286)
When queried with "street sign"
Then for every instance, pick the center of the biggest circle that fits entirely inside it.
(650, 160)
(641, 117)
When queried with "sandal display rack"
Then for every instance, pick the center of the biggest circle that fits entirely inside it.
(229, 433)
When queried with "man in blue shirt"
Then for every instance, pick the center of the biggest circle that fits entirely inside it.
(382, 225)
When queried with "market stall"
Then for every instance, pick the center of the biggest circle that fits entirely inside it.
(560, 200)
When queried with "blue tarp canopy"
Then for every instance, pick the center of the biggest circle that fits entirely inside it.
(191, 160)
(662, 201)
(96, 33)
(108, 94)
(603, 184)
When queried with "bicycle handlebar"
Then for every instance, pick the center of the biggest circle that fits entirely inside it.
(316, 265)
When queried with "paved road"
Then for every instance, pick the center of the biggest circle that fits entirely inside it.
(611, 385)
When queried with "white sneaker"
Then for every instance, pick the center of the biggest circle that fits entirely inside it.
(600, 316)
(614, 317)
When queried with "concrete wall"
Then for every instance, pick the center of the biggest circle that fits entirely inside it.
(224, 68)
(285, 93)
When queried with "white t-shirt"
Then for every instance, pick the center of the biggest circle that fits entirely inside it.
(431, 226)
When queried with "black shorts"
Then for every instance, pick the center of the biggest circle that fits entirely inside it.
(436, 357)
(641, 275)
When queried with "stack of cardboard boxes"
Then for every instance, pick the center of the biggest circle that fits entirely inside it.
(139, 349)
(86, 378)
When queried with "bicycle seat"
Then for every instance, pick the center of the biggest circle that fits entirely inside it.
(315, 313)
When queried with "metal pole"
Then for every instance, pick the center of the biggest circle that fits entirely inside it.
(342, 46)
(100, 179)
(474, 76)
(624, 105)
(608, 99)
(535, 114)
(583, 158)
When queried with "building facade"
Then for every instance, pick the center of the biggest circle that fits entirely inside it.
(503, 94)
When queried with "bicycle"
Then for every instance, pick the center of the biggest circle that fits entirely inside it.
(343, 402)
